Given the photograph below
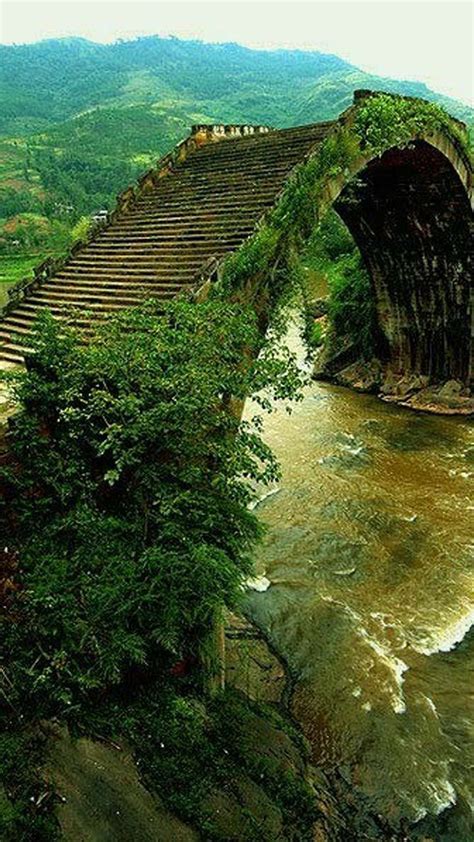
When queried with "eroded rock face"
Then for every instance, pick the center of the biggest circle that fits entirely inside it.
(412, 391)
(237, 813)
(101, 797)
(411, 218)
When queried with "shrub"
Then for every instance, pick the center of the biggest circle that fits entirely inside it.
(351, 309)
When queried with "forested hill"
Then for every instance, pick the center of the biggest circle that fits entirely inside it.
(79, 120)
(183, 81)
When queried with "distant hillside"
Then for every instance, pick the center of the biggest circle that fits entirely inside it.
(52, 81)
(78, 120)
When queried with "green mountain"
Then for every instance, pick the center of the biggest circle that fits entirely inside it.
(79, 120)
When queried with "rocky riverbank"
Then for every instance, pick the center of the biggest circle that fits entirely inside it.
(100, 785)
(254, 666)
(410, 391)
(99, 792)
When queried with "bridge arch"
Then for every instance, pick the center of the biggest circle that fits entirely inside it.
(409, 211)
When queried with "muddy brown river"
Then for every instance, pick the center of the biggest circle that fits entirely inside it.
(370, 556)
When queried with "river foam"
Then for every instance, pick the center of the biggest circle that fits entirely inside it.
(447, 639)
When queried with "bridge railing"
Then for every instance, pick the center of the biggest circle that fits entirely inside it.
(24, 287)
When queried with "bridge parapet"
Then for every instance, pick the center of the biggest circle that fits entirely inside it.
(220, 131)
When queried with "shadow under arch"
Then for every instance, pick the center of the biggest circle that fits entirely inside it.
(409, 211)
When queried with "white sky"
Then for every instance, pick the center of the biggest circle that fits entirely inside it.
(424, 40)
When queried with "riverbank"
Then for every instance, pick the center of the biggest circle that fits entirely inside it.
(166, 762)
(95, 782)
(343, 814)
(411, 392)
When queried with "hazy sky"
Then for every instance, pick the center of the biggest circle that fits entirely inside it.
(424, 40)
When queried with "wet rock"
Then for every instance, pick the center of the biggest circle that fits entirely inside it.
(413, 391)
(361, 376)
(450, 398)
(402, 386)
(267, 741)
(250, 665)
(451, 389)
(331, 361)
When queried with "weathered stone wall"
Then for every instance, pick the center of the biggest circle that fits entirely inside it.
(410, 215)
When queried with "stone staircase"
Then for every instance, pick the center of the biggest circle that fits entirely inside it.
(200, 203)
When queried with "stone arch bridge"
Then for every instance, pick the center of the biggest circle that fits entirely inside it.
(410, 212)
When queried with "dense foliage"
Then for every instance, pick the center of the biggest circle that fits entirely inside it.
(133, 491)
(383, 121)
(130, 492)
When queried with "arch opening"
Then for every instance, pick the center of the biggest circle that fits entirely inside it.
(410, 215)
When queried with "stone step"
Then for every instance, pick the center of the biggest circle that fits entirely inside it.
(10, 354)
(152, 247)
(98, 297)
(135, 294)
(94, 282)
(144, 223)
(277, 159)
(8, 330)
(31, 311)
(209, 215)
(104, 269)
(157, 237)
(257, 202)
(132, 263)
(169, 208)
(16, 320)
(174, 232)
(240, 189)
(27, 319)
(237, 174)
(230, 241)
(181, 195)
(13, 350)
(90, 309)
